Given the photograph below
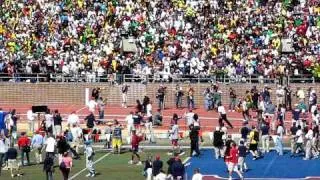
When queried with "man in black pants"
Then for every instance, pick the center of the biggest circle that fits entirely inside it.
(223, 115)
(288, 98)
(194, 140)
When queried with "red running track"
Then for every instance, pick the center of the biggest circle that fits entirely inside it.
(208, 120)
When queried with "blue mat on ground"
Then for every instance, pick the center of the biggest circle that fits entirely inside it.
(269, 166)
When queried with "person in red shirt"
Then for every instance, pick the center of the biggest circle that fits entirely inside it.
(231, 159)
(135, 141)
(24, 146)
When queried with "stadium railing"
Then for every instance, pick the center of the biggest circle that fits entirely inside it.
(143, 78)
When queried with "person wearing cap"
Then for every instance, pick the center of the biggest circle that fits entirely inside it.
(24, 147)
(89, 152)
(37, 143)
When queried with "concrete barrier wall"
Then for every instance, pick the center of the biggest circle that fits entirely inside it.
(74, 93)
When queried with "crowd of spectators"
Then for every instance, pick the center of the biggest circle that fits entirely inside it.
(84, 37)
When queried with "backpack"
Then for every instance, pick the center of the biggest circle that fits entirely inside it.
(62, 165)
(256, 136)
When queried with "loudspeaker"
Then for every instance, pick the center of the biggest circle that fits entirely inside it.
(39, 109)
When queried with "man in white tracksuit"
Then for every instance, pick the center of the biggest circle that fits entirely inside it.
(89, 158)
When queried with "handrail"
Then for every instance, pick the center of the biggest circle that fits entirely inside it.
(143, 78)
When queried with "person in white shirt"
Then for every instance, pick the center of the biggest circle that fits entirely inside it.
(124, 92)
(73, 119)
(4, 146)
(76, 132)
(92, 104)
(223, 115)
(278, 140)
(308, 137)
(50, 145)
(49, 121)
(300, 95)
(299, 141)
(280, 96)
(149, 109)
(197, 175)
(130, 123)
(31, 118)
(174, 136)
(189, 117)
(161, 176)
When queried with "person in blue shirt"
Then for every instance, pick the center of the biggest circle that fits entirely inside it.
(37, 144)
(3, 115)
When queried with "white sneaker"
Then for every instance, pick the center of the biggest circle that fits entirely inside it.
(93, 175)
(130, 162)
(88, 175)
(139, 163)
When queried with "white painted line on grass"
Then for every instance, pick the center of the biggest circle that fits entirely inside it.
(98, 160)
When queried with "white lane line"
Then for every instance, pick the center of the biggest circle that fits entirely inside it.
(98, 160)
(186, 160)
(81, 109)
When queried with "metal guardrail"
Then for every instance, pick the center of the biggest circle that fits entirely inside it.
(143, 78)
